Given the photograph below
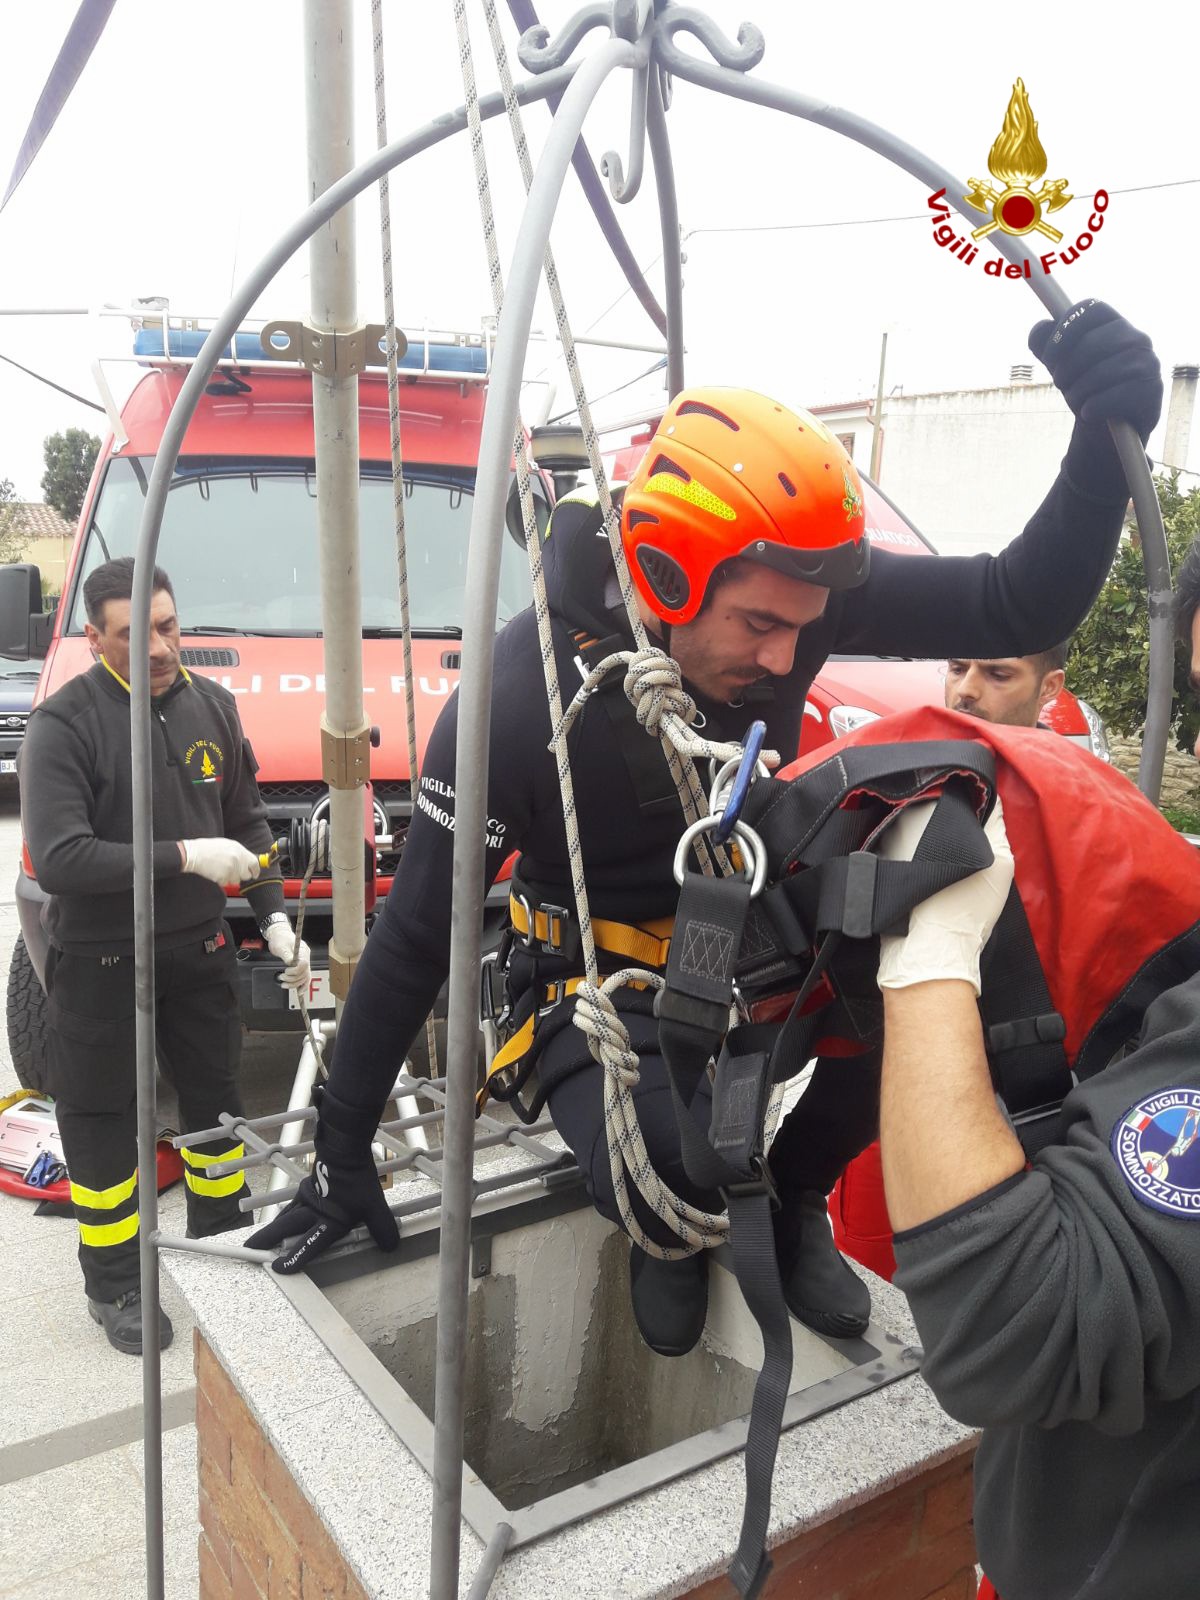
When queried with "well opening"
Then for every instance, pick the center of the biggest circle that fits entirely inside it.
(559, 1387)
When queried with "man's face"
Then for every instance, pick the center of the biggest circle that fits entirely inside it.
(111, 640)
(1011, 689)
(748, 631)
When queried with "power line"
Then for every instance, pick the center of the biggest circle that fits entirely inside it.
(50, 384)
(867, 222)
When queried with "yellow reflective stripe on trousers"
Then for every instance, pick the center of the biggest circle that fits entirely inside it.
(204, 1158)
(231, 1184)
(104, 1199)
(100, 1234)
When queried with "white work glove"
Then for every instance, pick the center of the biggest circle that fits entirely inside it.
(281, 941)
(946, 933)
(221, 861)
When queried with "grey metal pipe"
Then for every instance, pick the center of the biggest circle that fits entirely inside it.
(202, 368)
(668, 213)
(333, 274)
(147, 1102)
(1049, 291)
(489, 1561)
(470, 807)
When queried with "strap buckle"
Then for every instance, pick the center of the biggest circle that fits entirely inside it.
(558, 925)
(747, 1188)
(493, 1002)
(556, 993)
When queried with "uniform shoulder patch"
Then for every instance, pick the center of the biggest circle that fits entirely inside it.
(1157, 1146)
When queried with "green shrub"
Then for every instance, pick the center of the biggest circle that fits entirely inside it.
(1110, 653)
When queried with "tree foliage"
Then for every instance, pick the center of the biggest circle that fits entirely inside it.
(69, 458)
(13, 534)
(1110, 653)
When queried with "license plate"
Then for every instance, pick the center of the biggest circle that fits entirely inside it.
(319, 996)
(8, 766)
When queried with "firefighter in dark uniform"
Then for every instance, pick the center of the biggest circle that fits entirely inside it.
(209, 828)
(746, 540)
(1057, 1300)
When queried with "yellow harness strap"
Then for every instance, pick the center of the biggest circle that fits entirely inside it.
(647, 946)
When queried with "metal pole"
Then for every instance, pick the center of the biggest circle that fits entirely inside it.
(668, 212)
(877, 419)
(329, 99)
(200, 372)
(147, 1104)
(474, 720)
(1057, 302)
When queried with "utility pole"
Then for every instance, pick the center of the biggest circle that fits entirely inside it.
(335, 347)
(877, 419)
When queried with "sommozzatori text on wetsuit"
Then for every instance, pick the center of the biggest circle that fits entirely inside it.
(430, 797)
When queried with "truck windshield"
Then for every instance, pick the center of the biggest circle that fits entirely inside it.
(239, 543)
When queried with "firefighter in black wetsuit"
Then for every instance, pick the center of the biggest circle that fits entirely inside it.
(745, 536)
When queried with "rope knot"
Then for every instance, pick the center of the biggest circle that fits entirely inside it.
(655, 689)
(607, 1036)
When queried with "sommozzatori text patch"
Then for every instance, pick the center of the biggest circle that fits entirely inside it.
(1157, 1146)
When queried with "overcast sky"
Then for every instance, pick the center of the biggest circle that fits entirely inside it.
(181, 156)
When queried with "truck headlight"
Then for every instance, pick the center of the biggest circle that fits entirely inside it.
(1097, 733)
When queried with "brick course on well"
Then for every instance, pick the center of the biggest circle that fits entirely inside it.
(261, 1539)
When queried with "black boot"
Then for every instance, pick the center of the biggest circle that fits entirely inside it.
(821, 1289)
(670, 1300)
(121, 1320)
(239, 1219)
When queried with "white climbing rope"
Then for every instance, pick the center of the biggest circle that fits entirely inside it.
(654, 686)
(393, 382)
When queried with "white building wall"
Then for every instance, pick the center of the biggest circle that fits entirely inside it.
(969, 466)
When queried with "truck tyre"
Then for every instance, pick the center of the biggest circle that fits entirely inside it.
(27, 1021)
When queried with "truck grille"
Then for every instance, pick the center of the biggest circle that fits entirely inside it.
(287, 800)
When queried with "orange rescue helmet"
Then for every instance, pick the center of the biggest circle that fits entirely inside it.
(732, 473)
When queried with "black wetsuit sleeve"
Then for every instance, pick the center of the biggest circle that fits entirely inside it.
(1028, 598)
(1069, 1295)
(59, 804)
(407, 956)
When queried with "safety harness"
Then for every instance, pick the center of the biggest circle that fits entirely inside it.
(540, 960)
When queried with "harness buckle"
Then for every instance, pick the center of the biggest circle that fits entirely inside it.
(747, 1188)
(558, 925)
(556, 993)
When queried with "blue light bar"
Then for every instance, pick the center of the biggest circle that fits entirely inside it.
(186, 344)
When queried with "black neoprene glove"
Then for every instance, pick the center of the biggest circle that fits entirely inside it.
(341, 1192)
(1107, 371)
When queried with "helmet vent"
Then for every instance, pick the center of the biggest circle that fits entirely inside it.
(697, 408)
(788, 484)
(665, 576)
(636, 518)
(665, 464)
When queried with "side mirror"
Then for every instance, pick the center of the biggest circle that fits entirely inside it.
(558, 448)
(24, 627)
(513, 520)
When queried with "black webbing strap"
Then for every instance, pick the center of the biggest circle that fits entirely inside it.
(1024, 1032)
(793, 818)
(693, 1012)
(644, 758)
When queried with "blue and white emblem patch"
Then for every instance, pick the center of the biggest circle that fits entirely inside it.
(1157, 1146)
